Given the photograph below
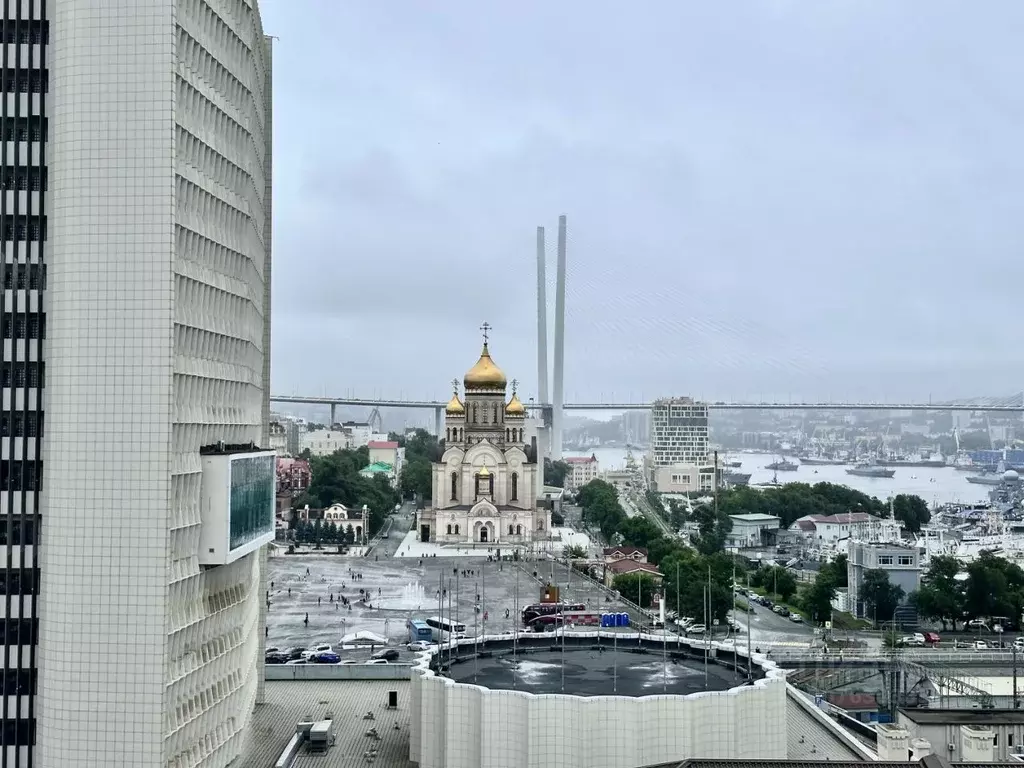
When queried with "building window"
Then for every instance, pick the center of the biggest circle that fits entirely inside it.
(519, 530)
(885, 559)
(515, 486)
(510, 529)
(455, 486)
(16, 581)
(456, 530)
(449, 530)
(495, 414)
(905, 560)
(474, 413)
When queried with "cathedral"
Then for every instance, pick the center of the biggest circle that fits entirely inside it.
(484, 487)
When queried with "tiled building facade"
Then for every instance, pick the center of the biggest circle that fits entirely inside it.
(135, 219)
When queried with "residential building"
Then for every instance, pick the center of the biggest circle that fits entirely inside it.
(679, 432)
(324, 442)
(387, 452)
(626, 566)
(278, 438)
(684, 478)
(293, 475)
(380, 468)
(360, 433)
(828, 529)
(968, 735)
(624, 552)
(582, 469)
(902, 564)
(153, 120)
(752, 530)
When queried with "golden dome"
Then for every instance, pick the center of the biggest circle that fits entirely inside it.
(455, 406)
(515, 406)
(484, 472)
(485, 374)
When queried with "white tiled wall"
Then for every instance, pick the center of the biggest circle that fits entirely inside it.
(157, 328)
(463, 726)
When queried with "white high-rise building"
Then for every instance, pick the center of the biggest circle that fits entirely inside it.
(157, 499)
(679, 432)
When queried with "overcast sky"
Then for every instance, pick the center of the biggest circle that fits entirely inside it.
(765, 198)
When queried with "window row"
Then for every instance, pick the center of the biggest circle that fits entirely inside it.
(31, 228)
(19, 581)
(27, 128)
(17, 531)
(18, 277)
(21, 475)
(24, 178)
(19, 631)
(23, 326)
(26, 31)
(19, 733)
(19, 374)
(18, 682)
(19, 424)
(25, 80)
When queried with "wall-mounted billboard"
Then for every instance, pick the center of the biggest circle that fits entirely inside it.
(238, 505)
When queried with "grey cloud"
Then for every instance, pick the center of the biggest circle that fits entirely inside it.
(763, 198)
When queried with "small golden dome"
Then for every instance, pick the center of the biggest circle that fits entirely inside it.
(485, 374)
(515, 406)
(484, 472)
(455, 406)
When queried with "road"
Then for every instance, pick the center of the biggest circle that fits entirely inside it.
(401, 522)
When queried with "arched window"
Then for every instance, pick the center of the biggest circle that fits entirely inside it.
(520, 435)
(507, 437)
(456, 530)
(510, 531)
(448, 435)
(455, 486)
(495, 413)
(515, 486)
(519, 530)
(449, 530)
(474, 413)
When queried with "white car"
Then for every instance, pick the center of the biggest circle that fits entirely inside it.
(979, 645)
(696, 629)
(420, 645)
(293, 662)
(796, 617)
(316, 650)
(376, 661)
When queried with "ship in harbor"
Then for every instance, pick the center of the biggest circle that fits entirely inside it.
(736, 479)
(870, 470)
(783, 465)
(821, 461)
(924, 460)
(991, 478)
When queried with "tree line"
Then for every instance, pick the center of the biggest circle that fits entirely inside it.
(336, 480)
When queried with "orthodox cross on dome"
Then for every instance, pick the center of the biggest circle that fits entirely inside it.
(515, 385)
(455, 385)
(486, 330)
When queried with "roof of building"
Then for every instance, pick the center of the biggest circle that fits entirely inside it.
(382, 444)
(805, 525)
(580, 459)
(626, 565)
(377, 466)
(347, 701)
(964, 716)
(625, 550)
(844, 518)
(756, 517)
(288, 462)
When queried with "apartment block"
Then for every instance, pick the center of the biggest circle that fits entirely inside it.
(679, 432)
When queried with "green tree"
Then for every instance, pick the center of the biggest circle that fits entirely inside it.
(817, 599)
(880, 595)
(941, 596)
(422, 450)
(912, 511)
(336, 479)
(713, 526)
(555, 472)
(836, 571)
(776, 580)
(638, 587)
(574, 552)
(995, 587)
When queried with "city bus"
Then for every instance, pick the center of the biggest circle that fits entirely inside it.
(442, 628)
(419, 630)
(531, 612)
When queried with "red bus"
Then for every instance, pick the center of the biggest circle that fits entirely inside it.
(531, 612)
(572, 618)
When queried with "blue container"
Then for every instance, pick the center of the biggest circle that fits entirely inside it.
(625, 619)
(605, 620)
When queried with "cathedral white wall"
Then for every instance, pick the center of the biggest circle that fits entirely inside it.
(464, 726)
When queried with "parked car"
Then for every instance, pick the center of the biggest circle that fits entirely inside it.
(796, 617)
(388, 654)
(326, 657)
(295, 652)
(322, 648)
(376, 661)
(276, 658)
(420, 645)
(696, 629)
(931, 638)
